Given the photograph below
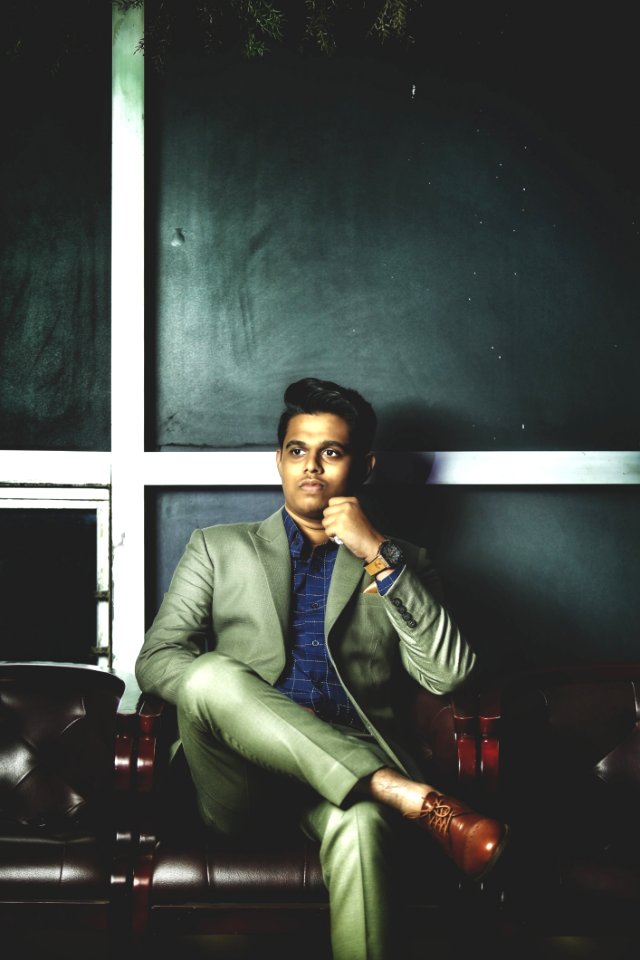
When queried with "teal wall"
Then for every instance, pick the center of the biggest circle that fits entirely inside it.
(453, 231)
(55, 234)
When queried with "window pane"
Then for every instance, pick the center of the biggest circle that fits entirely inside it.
(48, 584)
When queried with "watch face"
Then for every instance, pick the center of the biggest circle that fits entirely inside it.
(392, 553)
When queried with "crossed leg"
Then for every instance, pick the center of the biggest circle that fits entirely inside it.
(233, 723)
(234, 727)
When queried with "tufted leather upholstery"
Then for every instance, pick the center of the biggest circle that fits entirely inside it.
(63, 764)
(186, 879)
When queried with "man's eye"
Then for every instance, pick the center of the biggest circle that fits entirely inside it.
(296, 451)
(331, 454)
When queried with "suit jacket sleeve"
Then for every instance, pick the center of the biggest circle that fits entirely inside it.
(432, 648)
(182, 628)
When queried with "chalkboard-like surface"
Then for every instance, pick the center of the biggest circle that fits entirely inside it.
(55, 238)
(449, 244)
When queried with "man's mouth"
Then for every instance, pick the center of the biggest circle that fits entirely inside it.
(311, 485)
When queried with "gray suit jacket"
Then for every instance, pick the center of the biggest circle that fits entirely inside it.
(231, 592)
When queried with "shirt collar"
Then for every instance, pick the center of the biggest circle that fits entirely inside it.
(297, 543)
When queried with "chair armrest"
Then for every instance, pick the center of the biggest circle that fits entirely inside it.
(126, 730)
(464, 704)
(447, 730)
(151, 719)
(151, 710)
(124, 751)
(489, 722)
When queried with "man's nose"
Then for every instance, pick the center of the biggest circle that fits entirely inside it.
(313, 464)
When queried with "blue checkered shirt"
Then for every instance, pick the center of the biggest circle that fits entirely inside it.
(309, 677)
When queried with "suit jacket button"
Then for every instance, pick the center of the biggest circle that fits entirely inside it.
(412, 623)
(408, 617)
(397, 602)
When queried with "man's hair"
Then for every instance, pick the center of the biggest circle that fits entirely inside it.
(322, 396)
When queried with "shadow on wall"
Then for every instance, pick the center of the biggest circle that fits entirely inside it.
(532, 575)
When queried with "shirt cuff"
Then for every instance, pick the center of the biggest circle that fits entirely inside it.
(387, 582)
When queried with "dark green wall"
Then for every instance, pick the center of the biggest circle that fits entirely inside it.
(452, 231)
(55, 232)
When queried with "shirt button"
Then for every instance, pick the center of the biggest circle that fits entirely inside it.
(315, 643)
(315, 605)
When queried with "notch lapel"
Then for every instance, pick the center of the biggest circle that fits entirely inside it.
(272, 547)
(347, 576)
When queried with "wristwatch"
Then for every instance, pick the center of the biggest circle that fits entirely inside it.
(389, 556)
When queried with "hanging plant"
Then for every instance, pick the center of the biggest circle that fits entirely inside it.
(256, 26)
(45, 35)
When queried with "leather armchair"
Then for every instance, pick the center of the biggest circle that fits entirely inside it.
(188, 880)
(560, 757)
(65, 797)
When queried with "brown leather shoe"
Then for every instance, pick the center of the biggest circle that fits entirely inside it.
(474, 842)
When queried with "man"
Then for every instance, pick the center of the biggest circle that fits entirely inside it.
(309, 619)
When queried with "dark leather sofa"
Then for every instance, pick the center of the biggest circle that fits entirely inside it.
(66, 839)
(188, 880)
(555, 752)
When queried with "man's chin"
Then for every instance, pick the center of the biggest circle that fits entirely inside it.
(311, 511)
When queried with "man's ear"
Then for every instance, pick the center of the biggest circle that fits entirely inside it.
(370, 464)
(279, 460)
(362, 469)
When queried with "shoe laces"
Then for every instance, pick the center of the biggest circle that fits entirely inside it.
(439, 816)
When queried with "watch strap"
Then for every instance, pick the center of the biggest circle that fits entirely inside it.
(376, 565)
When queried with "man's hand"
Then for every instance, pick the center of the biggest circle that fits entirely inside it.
(343, 517)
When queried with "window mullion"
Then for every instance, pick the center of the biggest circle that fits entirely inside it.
(127, 337)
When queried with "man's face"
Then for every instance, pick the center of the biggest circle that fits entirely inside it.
(315, 463)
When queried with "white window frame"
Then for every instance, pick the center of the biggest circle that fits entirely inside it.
(115, 482)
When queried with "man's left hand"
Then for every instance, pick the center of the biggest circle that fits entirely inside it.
(343, 517)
